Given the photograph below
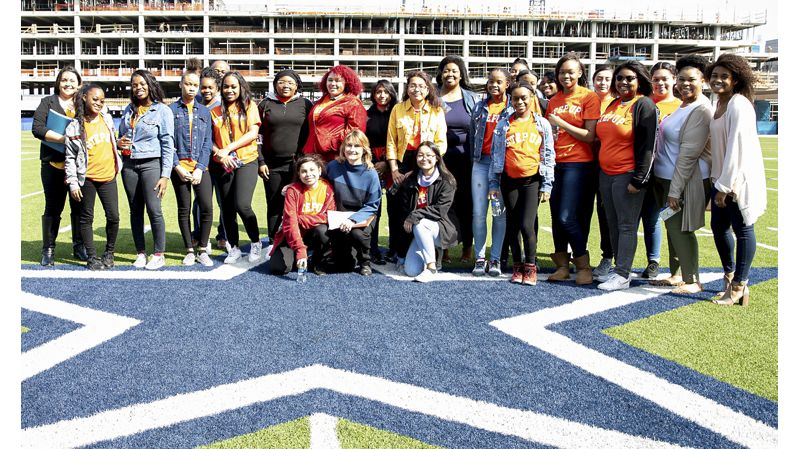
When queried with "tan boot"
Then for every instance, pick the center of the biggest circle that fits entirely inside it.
(584, 274)
(561, 261)
(736, 293)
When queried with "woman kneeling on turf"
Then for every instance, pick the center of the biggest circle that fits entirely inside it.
(427, 196)
(304, 224)
(91, 165)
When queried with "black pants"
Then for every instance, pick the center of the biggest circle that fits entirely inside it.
(278, 178)
(521, 198)
(237, 188)
(139, 177)
(460, 166)
(203, 192)
(109, 198)
(343, 244)
(375, 234)
(393, 203)
(195, 213)
(283, 259)
(55, 194)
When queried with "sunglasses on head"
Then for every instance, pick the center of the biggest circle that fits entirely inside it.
(628, 79)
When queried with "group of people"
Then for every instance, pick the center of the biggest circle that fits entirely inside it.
(640, 142)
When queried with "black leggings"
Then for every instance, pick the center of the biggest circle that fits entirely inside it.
(109, 198)
(55, 194)
(284, 258)
(460, 166)
(343, 243)
(237, 188)
(521, 198)
(275, 200)
(204, 193)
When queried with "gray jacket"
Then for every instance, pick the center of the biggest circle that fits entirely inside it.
(77, 157)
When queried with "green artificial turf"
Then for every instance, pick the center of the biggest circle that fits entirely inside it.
(352, 435)
(25, 329)
(291, 435)
(737, 345)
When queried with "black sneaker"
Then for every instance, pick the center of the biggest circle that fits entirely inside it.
(108, 259)
(651, 271)
(365, 270)
(94, 264)
(377, 258)
(79, 252)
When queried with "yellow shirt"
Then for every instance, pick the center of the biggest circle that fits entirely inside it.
(223, 135)
(522, 157)
(100, 151)
(188, 163)
(314, 198)
(668, 107)
(401, 129)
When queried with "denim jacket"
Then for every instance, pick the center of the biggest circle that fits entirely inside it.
(499, 146)
(198, 148)
(470, 99)
(479, 118)
(152, 136)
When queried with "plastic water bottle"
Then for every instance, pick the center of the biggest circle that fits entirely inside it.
(301, 275)
(496, 205)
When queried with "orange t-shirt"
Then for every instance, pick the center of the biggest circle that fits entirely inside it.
(222, 135)
(614, 129)
(494, 110)
(314, 198)
(522, 156)
(100, 151)
(582, 104)
(668, 107)
(605, 101)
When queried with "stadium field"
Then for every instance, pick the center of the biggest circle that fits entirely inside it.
(233, 357)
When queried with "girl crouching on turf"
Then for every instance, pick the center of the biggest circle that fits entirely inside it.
(304, 223)
(523, 167)
(91, 165)
(193, 142)
(427, 195)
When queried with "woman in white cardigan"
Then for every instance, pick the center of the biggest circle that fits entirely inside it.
(681, 173)
(739, 196)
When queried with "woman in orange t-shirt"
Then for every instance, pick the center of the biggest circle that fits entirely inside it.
(627, 131)
(235, 151)
(572, 112)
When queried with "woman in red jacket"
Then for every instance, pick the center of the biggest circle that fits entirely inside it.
(304, 223)
(336, 114)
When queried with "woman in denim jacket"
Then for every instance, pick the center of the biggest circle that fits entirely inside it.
(522, 166)
(193, 142)
(487, 113)
(147, 145)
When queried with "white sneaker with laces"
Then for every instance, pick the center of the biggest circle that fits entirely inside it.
(209, 249)
(615, 282)
(155, 262)
(233, 255)
(205, 259)
(189, 259)
(141, 260)
(606, 277)
(604, 268)
(268, 251)
(425, 276)
(254, 252)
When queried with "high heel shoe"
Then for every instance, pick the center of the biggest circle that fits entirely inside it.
(737, 292)
(727, 280)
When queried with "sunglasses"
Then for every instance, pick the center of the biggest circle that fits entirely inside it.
(628, 79)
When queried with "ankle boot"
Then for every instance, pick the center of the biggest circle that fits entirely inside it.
(584, 275)
(561, 261)
(530, 276)
(736, 293)
(48, 257)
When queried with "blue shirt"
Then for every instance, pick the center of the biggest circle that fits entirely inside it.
(356, 188)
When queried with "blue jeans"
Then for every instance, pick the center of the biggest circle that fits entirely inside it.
(652, 228)
(723, 222)
(479, 197)
(426, 236)
(571, 186)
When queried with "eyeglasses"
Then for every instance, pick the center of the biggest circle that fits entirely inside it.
(416, 86)
(628, 79)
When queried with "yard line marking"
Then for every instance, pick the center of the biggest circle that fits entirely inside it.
(32, 194)
(389, 270)
(773, 229)
(98, 327)
(222, 272)
(65, 229)
(770, 158)
(771, 169)
(134, 419)
(531, 328)
(773, 179)
(774, 190)
(322, 432)
(772, 248)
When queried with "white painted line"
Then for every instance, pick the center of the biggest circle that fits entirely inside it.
(28, 195)
(322, 432)
(531, 328)
(773, 190)
(66, 228)
(771, 169)
(222, 272)
(770, 158)
(130, 420)
(772, 229)
(97, 328)
(762, 245)
(773, 179)
(147, 228)
(389, 270)
(30, 159)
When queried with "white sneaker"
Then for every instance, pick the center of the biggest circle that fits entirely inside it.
(189, 259)
(155, 262)
(615, 282)
(268, 251)
(141, 260)
(425, 276)
(604, 268)
(606, 277)
(400, 268)
(205, 259)
(233, 255)
(254, 252)
(209, 249)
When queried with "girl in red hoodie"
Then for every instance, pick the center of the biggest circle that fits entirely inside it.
(304, 223)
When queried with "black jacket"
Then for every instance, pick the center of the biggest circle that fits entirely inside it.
(283, 129)
(39, 128)
(645, 123)
(440, 195)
